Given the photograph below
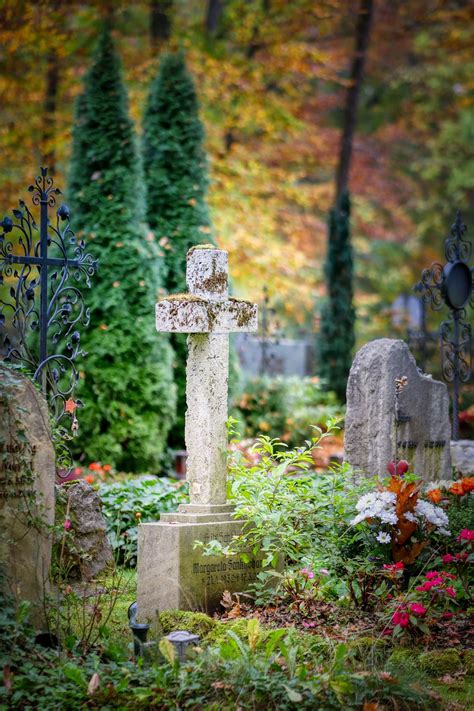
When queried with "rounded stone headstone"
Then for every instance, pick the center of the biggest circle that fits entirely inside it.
(27, 473)
(374, 436)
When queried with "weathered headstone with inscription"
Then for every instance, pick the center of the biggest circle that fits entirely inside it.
(27, 472)
(375, 433)
(171, 573)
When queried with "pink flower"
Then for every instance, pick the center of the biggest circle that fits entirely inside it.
(67, 524)
(309, 624)
(310, 575)
(447, 558)
(426, 586)
(324, 571)
(304, 571)
(467, 534)
(432, 574)
(451, 591)
(417, 608)
(387, 631)
(400, 618)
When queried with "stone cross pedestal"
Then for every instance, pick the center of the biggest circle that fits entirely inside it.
(171, 574)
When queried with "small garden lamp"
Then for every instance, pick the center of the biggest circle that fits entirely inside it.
(139, 630)
(181, 640)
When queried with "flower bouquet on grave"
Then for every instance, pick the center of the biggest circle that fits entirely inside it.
(399, 516)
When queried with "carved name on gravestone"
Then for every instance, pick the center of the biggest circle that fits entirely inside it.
(171, 573)
(27, 472)
(374, 435)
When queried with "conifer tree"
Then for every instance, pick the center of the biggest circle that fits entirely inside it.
(127, 384)
(338, 315)
(176, 179)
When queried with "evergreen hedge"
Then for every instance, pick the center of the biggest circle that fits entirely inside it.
(176, 179)
(338, 315)
(127, 384)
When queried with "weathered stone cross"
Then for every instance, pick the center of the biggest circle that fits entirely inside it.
(208, 315)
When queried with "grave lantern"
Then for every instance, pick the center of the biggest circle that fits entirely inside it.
(181, 641)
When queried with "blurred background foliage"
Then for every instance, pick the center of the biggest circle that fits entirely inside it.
(271, 78)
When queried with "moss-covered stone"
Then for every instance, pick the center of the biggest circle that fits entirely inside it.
(196, 622)
(439, 662)
(402, 660)
(468, 661)
(369, 648)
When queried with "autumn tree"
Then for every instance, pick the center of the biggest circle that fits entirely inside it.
(127, 386)
(337, 336)
(176, 181)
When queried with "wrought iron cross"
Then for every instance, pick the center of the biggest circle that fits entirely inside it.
(452, 286)
(32, 259)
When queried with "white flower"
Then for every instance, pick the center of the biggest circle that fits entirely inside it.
(410, 517)
(383, 537)
(378, 504)
(434, 515)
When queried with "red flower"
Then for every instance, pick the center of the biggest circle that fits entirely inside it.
(95, 467)
(89, 478)
(107, 468)
(417, 608)
(398, 468)
(432, 574)
(78, 471)
(462, 556)
(447, 615)
(467, 534)
(447, 558)
(451, 591)
(394, 566)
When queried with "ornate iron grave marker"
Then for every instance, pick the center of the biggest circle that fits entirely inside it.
(48, 261)
(452, 286)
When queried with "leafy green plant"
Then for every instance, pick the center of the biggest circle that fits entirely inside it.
(127, 504)
(293, 517)
(284, 407)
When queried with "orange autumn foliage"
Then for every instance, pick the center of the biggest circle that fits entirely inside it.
(403, 550)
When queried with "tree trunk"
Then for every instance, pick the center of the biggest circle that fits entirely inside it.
(364, 22)
(160, 22)
(213, 15)
(49, 110)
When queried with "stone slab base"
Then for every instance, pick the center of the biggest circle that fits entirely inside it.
(462, 456)
(172, 575)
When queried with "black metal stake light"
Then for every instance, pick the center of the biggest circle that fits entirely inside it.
(452, 286)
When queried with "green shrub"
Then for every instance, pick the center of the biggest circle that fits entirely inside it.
(126, 384)
(125, 504)
(284, 407)
(176, 179)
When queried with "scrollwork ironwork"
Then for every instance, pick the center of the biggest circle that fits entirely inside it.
(453, 286)
(41, 304)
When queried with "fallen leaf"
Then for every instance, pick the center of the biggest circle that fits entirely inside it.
(94, 684)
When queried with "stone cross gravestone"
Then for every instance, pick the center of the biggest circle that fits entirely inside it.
(27, 472)
(374, 435)
(171, 573)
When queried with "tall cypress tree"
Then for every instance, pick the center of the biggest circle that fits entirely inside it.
(176, 179)
(338, 315)
(127, 385)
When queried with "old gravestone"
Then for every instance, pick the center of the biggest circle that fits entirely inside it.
(27, 471)
(374, 435)
(171, 573)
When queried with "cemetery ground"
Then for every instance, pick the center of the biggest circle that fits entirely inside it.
(339, 625)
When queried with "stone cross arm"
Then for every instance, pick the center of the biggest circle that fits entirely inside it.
(207, 307)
